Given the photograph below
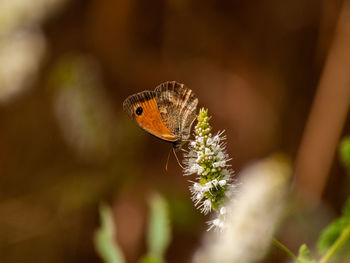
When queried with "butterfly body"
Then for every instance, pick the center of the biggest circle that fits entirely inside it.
(168, 112)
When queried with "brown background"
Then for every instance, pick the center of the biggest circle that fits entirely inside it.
(254, 64)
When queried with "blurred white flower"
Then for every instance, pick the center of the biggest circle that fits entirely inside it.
(20, 57)
(83, 110)
(22, 44)
(251, 217)
(17, 14)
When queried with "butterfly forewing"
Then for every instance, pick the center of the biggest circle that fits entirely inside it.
(143, 109)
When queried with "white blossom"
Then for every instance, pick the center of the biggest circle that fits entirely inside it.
(246, 223)
(207, 158)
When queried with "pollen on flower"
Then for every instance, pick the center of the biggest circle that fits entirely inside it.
(207, 159)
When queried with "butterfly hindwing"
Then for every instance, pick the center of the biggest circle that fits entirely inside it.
(177, 105)
(143, 109)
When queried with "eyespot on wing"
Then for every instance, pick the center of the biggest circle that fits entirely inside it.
(143, 109)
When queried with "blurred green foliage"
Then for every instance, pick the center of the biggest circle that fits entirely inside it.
(334, 240)
(333, 232)
(305, 255)
(339, 228)
(148, 259)
(158, 235)
(159, 231)
(105, 243)
(345, 153)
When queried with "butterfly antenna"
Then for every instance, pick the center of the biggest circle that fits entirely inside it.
(167, 161)
(177, 159)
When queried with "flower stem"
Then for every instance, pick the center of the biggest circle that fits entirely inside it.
(285, 249)
(344, 236)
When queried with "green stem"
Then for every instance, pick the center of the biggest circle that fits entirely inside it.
(285, 249)
(344, 236)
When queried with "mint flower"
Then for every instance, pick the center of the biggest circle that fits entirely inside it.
(252, 216)
(207, 158)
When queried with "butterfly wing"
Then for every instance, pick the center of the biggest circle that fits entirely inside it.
(177, 105)
(143, 109)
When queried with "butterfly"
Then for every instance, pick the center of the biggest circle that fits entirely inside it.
(168, 112)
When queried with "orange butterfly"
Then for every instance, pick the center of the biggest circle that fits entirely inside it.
(168, 112)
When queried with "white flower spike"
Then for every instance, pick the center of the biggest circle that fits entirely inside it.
(207, 159)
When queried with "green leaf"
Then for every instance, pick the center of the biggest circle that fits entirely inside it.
(345, 152)
(330, 234)
(105, 238)
(159, 232)
(305, 255)
(148, 259)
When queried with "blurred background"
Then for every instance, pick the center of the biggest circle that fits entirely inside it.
(66, 145)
